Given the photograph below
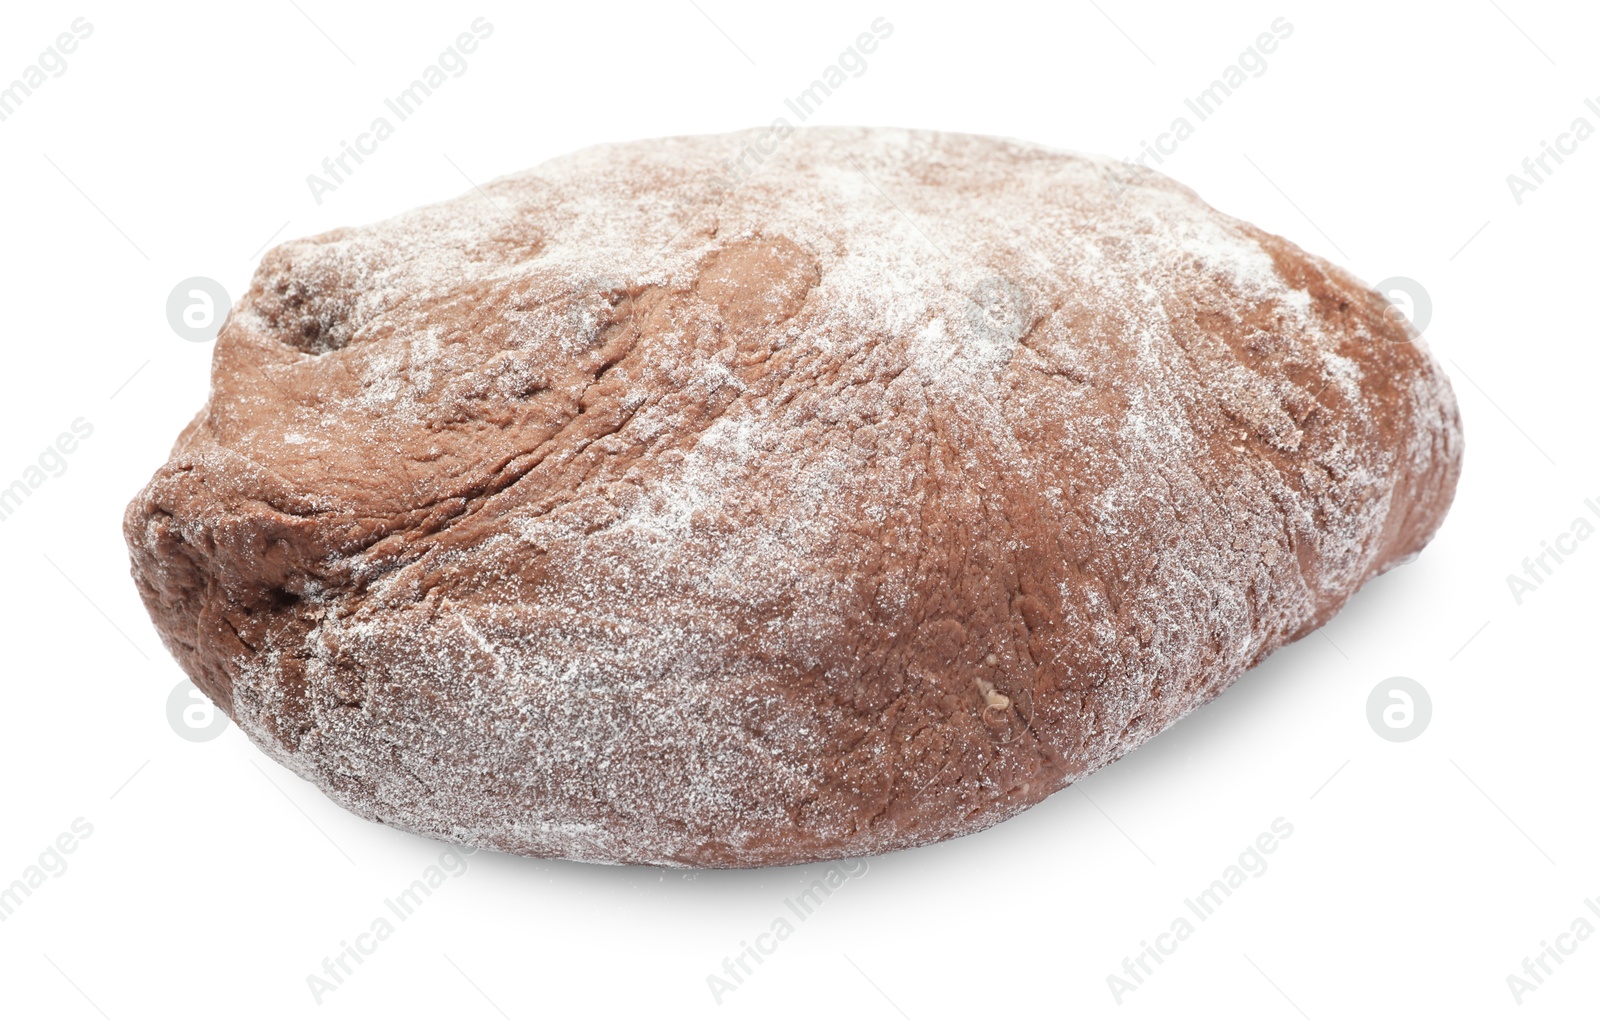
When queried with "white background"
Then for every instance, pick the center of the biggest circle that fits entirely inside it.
(1419, 874)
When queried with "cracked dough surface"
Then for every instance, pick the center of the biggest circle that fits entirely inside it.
(615, 514)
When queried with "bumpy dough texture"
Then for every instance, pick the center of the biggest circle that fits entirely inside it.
(616, 514)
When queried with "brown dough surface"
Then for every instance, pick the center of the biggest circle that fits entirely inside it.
(617, 515)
